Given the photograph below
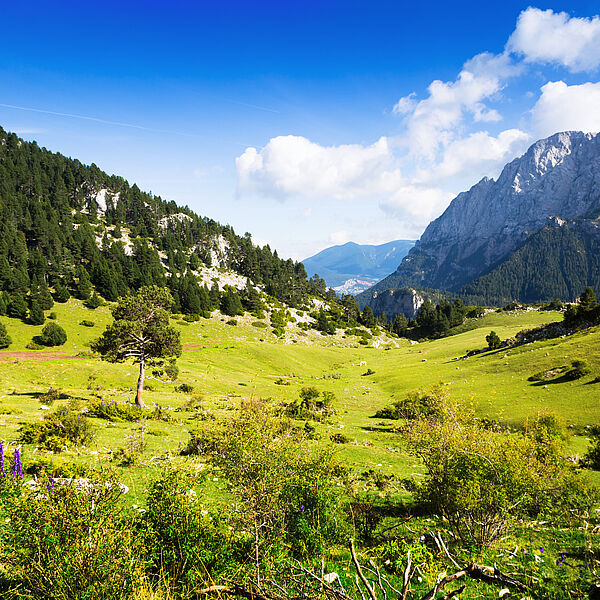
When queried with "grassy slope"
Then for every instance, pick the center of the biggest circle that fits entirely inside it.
(225, 363)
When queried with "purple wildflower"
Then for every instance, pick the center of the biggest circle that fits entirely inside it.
(17, 469)
(50, 486)
(302, 507)
(542, 549)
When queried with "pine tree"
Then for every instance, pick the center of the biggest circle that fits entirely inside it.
(5, 339)
(44, 297)
(94, 302)
(231, 304)
(367, 319)
(84, 286)
(17, 308)
(36, 314)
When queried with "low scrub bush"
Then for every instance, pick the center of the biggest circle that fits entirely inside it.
(52, 335)
(126, 411)
(87, 323)
(182, 542)
(62, 429)
(480, 480)
(312, 405)
(184, 388)
(579, 369)
(421, 404)
(64, 542)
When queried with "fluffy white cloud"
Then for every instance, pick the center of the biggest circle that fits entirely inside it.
(415, 204)
(478, 154)
(547, 37)
(432, 123)
(294, 166)
(563, 107)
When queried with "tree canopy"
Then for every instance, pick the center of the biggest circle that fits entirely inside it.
(141, 332)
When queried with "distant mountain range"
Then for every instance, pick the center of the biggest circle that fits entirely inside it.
(532, 235)
(351, 268)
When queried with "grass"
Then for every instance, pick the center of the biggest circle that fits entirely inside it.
(226, 363)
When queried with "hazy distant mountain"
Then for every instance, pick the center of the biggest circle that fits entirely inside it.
(531, 235)
(354, 267)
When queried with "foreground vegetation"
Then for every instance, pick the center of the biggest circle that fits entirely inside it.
(265, 458)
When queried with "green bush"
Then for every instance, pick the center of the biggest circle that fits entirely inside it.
(87, 323)
(61, 542)
(184, 388)
(5, 339)
(181, 541)
(481, 480)
(52, 335)
(416, 405)
(58, 430)
(579, 369)
(312, 405)
(126, 411)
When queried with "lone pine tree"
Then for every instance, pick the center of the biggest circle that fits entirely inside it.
(141, 332)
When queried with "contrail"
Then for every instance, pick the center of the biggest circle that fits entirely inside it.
(95, 119)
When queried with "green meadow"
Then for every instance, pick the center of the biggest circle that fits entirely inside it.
(225, 363)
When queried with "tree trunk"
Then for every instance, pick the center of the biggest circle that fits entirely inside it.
(140, 386)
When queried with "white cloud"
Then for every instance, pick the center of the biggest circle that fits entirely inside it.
(563, 107)
(415, 204)
(294, 166)
(478, 154)
(544, 36)
(405, 105)
(432, 123)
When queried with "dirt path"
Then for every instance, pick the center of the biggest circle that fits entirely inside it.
(36, 355)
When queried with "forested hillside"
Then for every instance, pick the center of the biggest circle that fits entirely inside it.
(67, 225)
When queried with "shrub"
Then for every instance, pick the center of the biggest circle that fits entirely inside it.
(61, 542)
(579, 369)
(87, 323)
(591, 458)
(52, 316)
(52, 335)
(94, 302)
(339, 438)
(126, 411)
(416, 405)
(181, 541)
(5, 339)
(184, 388)
(312, 405)
(480, 479)
(58, 430)
(52, 395)
(493, 340)
(285, 493)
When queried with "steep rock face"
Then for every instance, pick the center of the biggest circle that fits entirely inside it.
(557, 177)
(396, 301)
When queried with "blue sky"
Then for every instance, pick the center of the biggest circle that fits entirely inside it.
(304, 123)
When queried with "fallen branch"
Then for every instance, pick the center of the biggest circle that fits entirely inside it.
(360, 573)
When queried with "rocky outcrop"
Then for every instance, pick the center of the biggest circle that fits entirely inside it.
(396, 301)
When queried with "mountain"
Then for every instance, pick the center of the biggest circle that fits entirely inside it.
(531, 235)
(352, 267)
(66, 225)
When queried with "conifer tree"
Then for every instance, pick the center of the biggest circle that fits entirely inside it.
(17, 308)
(36, 314)
(141, 332)
(5, 339)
